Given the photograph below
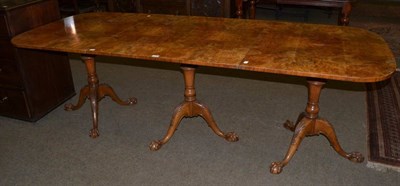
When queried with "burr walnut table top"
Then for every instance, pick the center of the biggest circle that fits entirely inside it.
(308, 50)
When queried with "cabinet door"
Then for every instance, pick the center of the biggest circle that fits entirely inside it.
(47, 79)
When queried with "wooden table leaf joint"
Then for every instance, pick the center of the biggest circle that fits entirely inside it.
(315, 52)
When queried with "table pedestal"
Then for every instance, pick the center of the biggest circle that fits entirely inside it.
(95, 92)
(191, 108)
(309, 124)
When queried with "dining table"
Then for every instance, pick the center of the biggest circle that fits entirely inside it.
(317, 53)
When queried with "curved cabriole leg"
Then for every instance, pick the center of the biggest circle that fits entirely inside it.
(325, 128)
(301, 130)
(290, 125)
(309, 124)
(180, 112)
(93, 84)
(94, 132)
(190, 108)
(83, 95)
(106, 90)
(205, 113)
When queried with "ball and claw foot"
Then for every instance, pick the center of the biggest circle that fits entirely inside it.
(68, 107)
(289, 125)
(132, 101)
(231, 137)
(94, 133)
(355, 157)
(276, 167)
(155, 145)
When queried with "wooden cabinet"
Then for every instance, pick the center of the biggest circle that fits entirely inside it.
(212, 8)
(32, 83)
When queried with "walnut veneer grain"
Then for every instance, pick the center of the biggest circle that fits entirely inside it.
(309, 50)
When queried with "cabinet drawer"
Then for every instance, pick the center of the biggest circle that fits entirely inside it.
(13, 104)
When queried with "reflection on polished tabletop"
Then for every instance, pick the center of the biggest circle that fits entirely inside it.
(317, 52)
